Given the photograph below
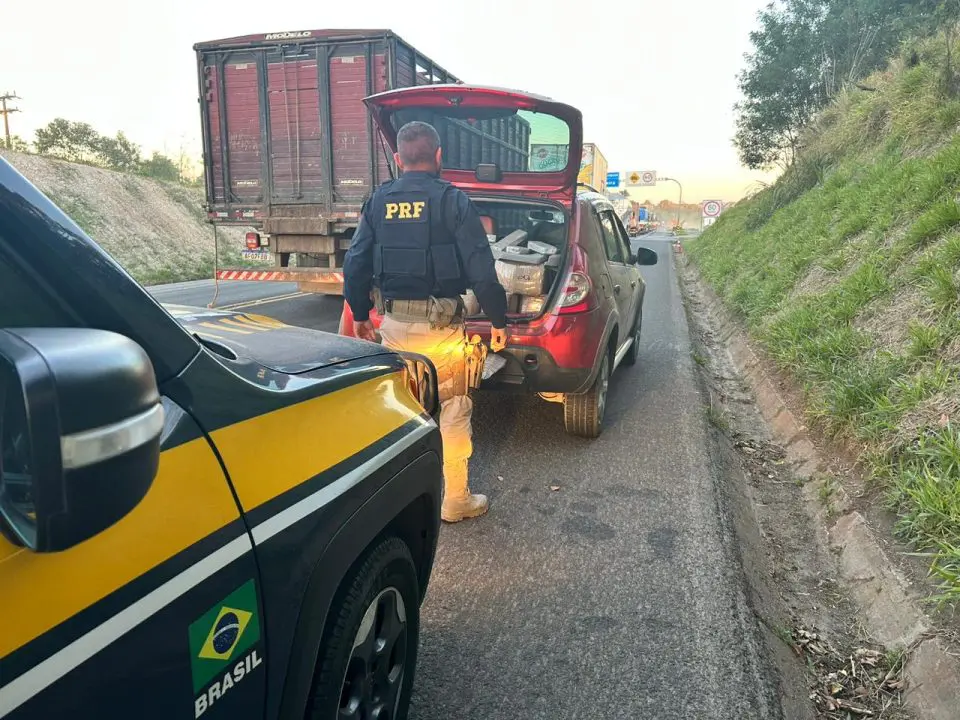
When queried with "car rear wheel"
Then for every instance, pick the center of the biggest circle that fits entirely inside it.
(583, 412)
(369, 652)
(633, 354)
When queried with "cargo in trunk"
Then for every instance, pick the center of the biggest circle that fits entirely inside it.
(529, 243)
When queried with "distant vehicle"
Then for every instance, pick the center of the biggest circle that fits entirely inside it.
(593, 168)
(290, 152)
(575, 293)
(203, 514)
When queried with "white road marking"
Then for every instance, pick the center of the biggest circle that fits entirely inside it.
(263, 301)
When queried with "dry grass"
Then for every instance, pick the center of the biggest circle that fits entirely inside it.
(857, 684)
(934, 411)
(888, 321)
(155, 230)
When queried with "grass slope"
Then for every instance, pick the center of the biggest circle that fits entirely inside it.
(847, 270)
(156, 230)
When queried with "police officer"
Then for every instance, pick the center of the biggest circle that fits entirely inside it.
(421, 243)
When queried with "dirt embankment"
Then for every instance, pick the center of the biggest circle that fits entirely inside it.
(156, 230)
(843, 279)
(847, 274)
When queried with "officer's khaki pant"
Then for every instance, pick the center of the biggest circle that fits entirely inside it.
(445, 348)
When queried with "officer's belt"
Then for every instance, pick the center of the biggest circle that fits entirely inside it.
(439, 312)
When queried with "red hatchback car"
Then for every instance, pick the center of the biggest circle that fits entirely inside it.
(575, 293)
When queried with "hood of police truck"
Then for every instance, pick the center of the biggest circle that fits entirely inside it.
(284, 348)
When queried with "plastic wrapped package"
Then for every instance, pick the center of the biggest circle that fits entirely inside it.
(521, 278)
(542, 248)
(514, 239)
(520, 255)
(471, 303)
(533, 305)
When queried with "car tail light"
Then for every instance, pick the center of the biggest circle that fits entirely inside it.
(576, 295)
(253, 241)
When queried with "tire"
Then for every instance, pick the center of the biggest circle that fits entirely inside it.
(356, 676)
(583, 412)
(633, 354)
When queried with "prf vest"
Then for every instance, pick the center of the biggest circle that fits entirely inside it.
(414, 256)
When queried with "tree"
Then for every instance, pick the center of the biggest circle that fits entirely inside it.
(17, 144)
(781, 83)
(73, 141)
(119, 153)
(160, 167)
(805, 52)
(946, 16)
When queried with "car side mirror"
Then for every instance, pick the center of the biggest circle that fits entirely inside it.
(645, 256)
(80, 426)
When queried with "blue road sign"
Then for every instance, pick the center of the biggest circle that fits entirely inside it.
(641, 213)
(613, 180)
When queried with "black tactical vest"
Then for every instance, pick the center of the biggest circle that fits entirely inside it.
(415, 255)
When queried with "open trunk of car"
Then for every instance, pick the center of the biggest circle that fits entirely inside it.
(529, 240)
(495, 141)
(517, 155)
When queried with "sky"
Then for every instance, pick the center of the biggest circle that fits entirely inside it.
(655, 80)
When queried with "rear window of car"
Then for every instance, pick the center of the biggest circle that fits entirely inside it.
(514, 140)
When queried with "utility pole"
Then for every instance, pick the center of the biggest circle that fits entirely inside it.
(5, 111)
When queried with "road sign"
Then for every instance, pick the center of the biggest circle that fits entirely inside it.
(711, 208)
(641, 213)
(613, 179)
(641, 178)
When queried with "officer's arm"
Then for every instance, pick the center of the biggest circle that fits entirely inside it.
(358, 269)
(478, 261)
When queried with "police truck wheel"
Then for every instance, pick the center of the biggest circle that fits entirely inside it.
(369, 651)
(633, 354)
(583, 412)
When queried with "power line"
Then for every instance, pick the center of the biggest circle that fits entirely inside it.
(6, 111)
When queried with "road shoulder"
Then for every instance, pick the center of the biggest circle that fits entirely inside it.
(845, 629)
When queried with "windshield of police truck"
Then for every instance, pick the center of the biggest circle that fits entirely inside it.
(514, 140)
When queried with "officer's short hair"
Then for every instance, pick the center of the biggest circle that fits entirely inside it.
(417, 143)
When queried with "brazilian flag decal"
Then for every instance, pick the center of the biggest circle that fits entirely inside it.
(223, 633)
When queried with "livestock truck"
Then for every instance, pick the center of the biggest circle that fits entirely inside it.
(291, 152)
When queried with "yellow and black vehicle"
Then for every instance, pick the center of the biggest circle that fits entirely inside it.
(196, 522)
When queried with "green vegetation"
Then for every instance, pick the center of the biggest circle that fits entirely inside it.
(79, 142)
(847, 270)
(807, 52)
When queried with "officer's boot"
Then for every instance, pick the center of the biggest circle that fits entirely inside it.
(458, 503)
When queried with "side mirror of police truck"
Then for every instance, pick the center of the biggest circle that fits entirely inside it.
(80, 426)
(645, 256)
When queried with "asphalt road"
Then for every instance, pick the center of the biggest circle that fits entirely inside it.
(614, 596)
(279, 300)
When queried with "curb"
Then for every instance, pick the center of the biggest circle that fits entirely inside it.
(893, 616)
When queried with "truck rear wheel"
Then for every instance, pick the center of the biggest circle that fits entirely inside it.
(583, 412)
(368, 654)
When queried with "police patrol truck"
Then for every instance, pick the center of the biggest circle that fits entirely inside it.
(196, 522)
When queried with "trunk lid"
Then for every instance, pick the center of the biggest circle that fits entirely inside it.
(497, 141)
